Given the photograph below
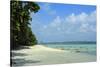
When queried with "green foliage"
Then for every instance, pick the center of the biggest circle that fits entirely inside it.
(21, 33)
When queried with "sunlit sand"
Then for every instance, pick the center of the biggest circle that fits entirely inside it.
(39, 55)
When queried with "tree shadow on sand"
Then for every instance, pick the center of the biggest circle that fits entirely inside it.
(14, 54)
(21, 47)
(20, 60)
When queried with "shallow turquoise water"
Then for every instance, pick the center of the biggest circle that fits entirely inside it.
(82, 48)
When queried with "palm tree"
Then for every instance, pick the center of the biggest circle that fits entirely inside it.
(21, 33)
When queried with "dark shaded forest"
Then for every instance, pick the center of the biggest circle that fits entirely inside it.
(20, 26)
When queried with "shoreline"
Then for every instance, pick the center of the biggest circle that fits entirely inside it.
(42, 55)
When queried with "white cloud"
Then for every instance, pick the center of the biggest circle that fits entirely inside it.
(75, 19)
(83, 22)
(82, 18)
(56, 22)
(60, 27)
(54, 27)
(89, 24)
(84, 27)
(70, 24)
(71, 19)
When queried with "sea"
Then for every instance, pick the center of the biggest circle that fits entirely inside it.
(81, 47)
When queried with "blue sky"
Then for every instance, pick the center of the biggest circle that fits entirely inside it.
(64, 22)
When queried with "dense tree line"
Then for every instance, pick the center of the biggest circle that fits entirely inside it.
(21, 33)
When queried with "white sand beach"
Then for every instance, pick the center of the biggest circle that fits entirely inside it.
(40, 55)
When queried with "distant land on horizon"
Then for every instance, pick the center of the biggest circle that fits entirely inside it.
(70, 42)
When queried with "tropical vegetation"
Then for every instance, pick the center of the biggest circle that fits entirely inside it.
(20, 26)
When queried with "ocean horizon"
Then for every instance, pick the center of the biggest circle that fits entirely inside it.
(70, 42)
(76, 46)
